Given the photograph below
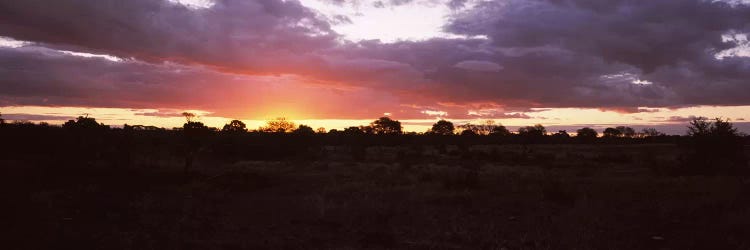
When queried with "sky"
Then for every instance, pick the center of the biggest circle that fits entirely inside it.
(338, 63)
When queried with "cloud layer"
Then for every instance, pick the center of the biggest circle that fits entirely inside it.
(238, 55)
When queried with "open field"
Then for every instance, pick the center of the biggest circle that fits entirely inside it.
(422, 197)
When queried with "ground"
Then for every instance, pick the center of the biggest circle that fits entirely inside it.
(482, 197)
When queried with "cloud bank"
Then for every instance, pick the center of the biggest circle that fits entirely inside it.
(239, 58)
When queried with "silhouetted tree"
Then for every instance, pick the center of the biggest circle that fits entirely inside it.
(84, 123)
(627, 132)
(532, 131)
(442, 127)
(612, 133)
(482, 129)
(353, 131)
(279, 125)
(650, 132)
(715, 147)
(194, 132)
(385, 125)
(586, 133)
(2, 121)
(304, 130)
(189, 117)
(562, 134)
(234, 126)
(468, 132)
(321, 130)
(700, 126)
(500, 130)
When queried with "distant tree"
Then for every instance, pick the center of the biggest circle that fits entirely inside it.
(189, 117)
(353, 131)
(485, 128)
(385, 125)
(700, 126)
(2, 121)
(304, 130)
(442, 127)
(586, 133)
(468, 132)
(234, 126)
(650, 132)
(321, 130)
(500, 130)
(627, 132)
(194, 128)
(715, 147)
(84, 123)
(367, 130)
(561, 134)
(612, 133)
(279, 125)
(532, 131)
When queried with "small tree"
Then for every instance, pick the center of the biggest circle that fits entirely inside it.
(189, 117)
(612, 133)
(353, 131)
(84, 123)
(234, 126)
(627, 132)
(586, 133)
(279, 125)
(500, 130)
(650, 132)
(442, 127)
(386, 126)
(532, 131)
(562, 134)
(304, 130)
(715, 147)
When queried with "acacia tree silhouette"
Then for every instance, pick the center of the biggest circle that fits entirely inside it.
(612, 133)
(279, 125)
(442, 127)
(304, 130)
(194, 132)
(716, 147)
(84, 123)
(627, 132)
(586, 133)
(386, 126)
(532, 131)
(234, 126)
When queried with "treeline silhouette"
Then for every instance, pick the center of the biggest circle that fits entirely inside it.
(86, 142)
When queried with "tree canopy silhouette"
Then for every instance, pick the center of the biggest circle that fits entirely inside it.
(234, 126)
(386, 126)
(84, 123)
(612, 133)
(716, 147)
(487, 127)
(533, 131)
(586, 133)
(304, 130)
(442, 127)
(279, 125)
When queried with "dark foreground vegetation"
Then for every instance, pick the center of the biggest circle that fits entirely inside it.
(88, 186)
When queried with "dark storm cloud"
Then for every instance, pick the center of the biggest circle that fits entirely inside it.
(260, 36)
(40, 76)
(608, 54)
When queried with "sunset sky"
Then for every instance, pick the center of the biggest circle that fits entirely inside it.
(338, 63)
